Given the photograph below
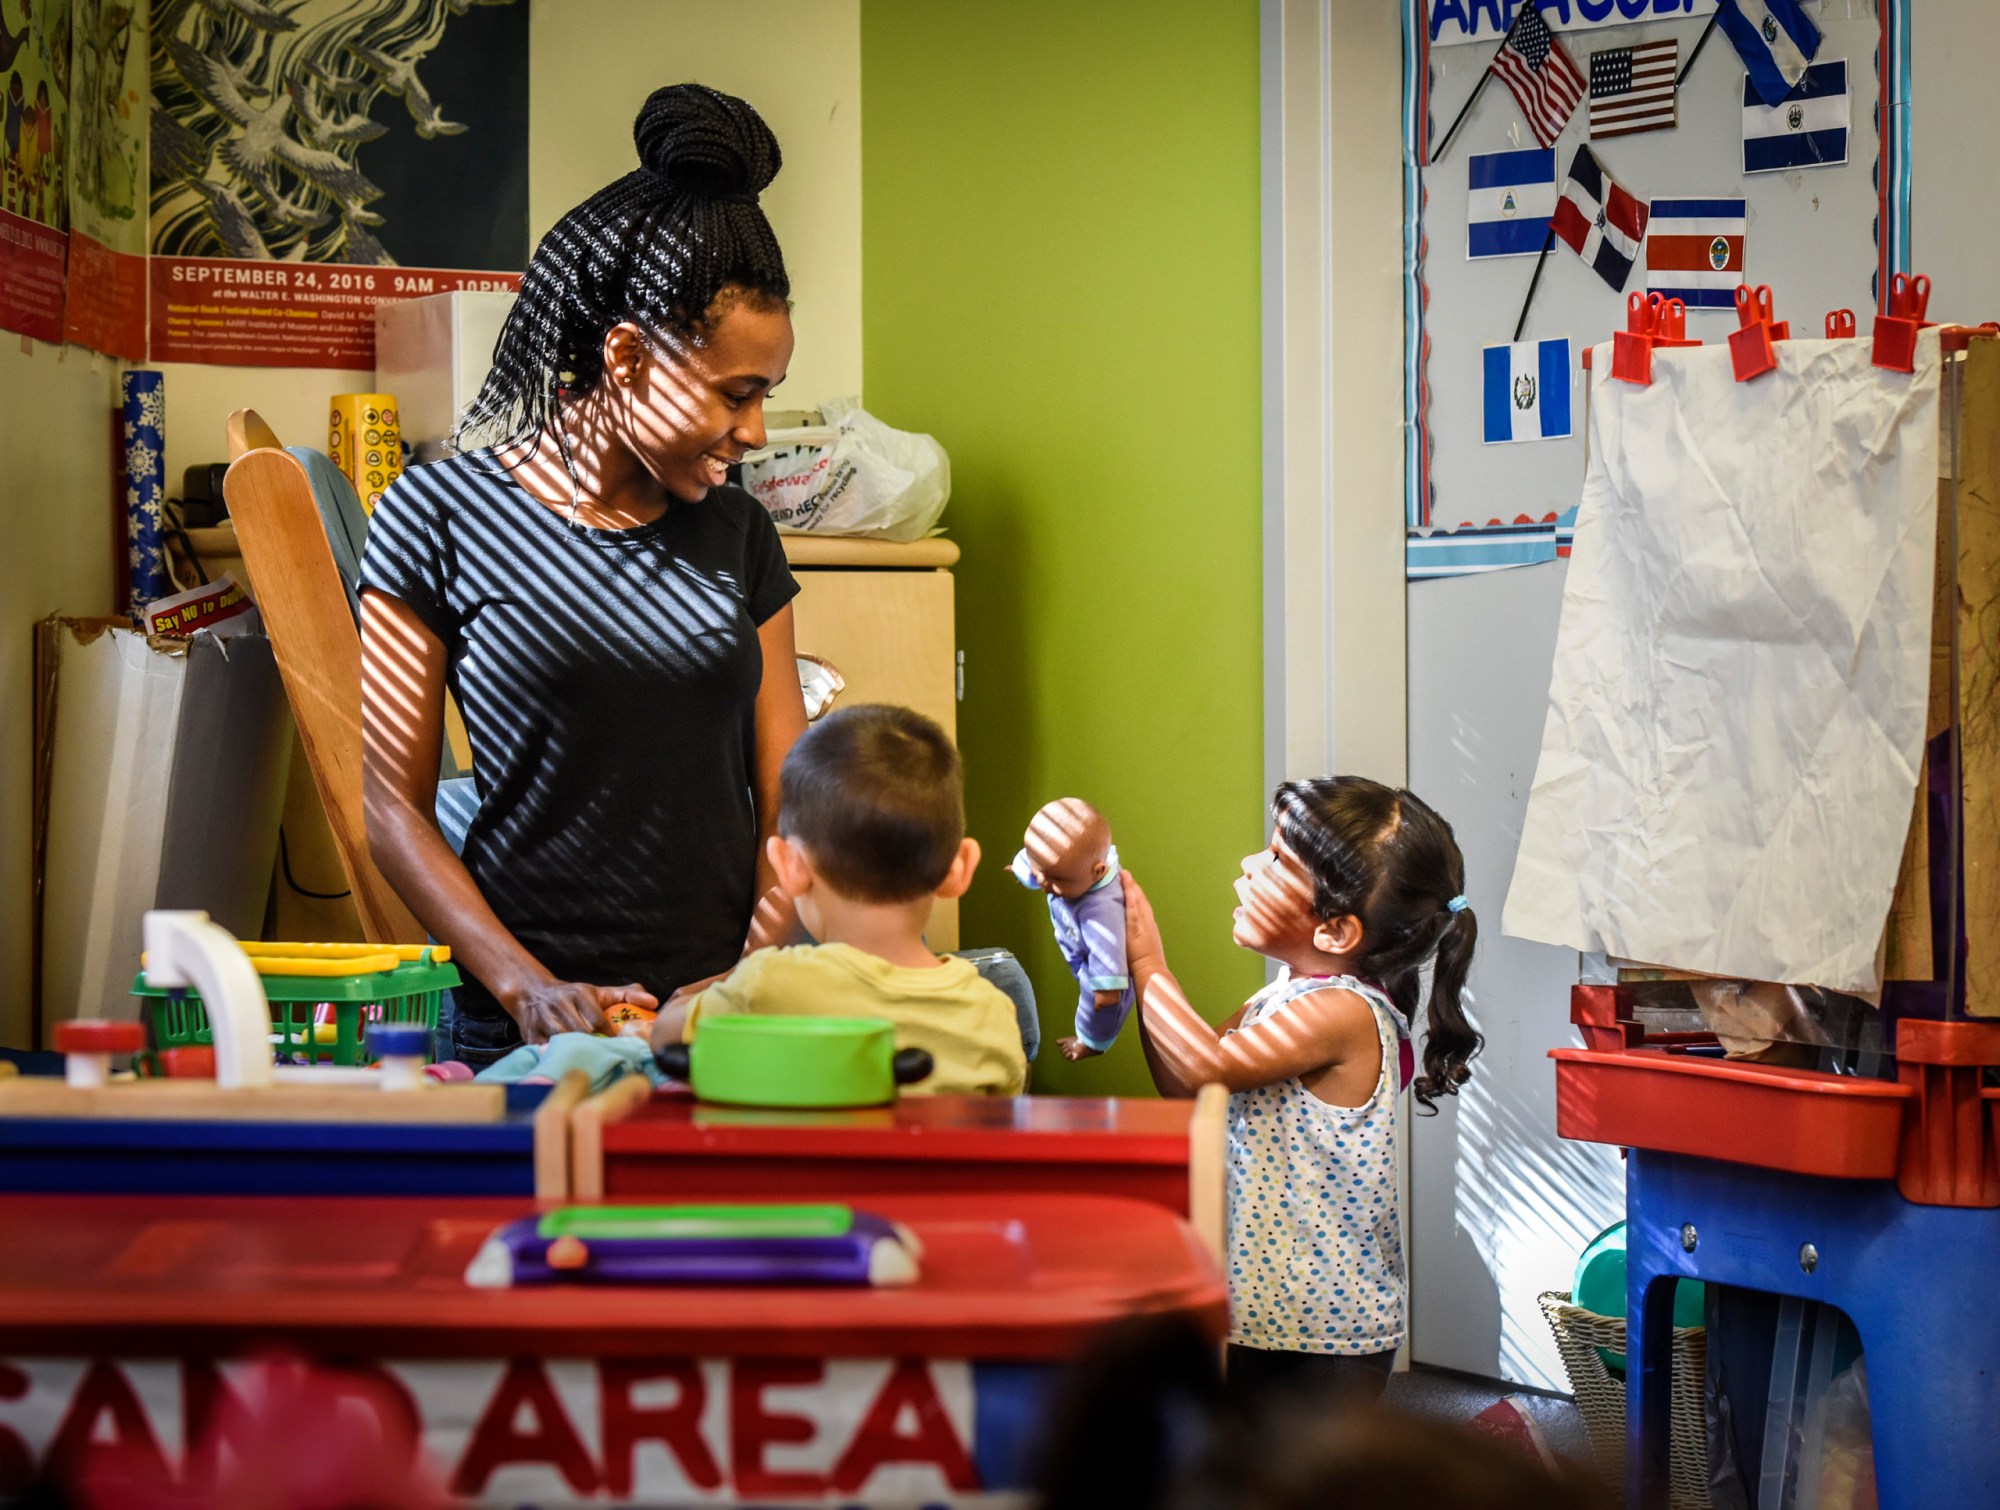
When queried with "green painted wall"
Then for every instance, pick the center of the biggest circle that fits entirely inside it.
(1060, 282)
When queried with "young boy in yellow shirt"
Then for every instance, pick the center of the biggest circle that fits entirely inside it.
(871, 832)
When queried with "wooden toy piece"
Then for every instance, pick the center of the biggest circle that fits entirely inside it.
(1632, 347)
(401, 1049)
(1751, 353)
(1897, 326)
(87, 1045)
(206, 1101)
(1839, 324)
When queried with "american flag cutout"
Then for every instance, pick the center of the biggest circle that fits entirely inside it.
(1545, 81)
(1632, 89)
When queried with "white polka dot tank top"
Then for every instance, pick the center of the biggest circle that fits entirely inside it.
(1315, 1241)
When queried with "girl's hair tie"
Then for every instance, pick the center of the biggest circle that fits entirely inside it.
(1457, 904)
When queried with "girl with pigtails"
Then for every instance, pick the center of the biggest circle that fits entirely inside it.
(614, 620)
(1361, 887)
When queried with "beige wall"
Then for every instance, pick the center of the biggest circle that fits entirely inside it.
(595, 61)
(55, 522)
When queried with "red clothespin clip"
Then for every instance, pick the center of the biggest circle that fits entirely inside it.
(1896, 327)
(1632, 347)
(1670, 322)
(1750, 350)
(1839, 324)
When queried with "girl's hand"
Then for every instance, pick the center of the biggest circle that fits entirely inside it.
(1142, 931)
(553, 1007)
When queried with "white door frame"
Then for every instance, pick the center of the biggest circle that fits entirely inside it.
(1335, 683)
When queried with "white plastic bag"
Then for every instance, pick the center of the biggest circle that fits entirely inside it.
(852, 475)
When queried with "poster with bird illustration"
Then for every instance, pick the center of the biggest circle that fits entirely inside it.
(34, 210)
(311, 158)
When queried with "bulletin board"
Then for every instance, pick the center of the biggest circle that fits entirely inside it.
(1823, 238)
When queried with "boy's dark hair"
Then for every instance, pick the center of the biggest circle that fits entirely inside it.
(874, 795)
(655, 248)
(1382, 855)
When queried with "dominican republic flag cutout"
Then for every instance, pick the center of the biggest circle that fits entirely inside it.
(1694, 251)
(1509, 199)
(1775, 41)
(1806, 129)
(1599, 221)
(1527, 391)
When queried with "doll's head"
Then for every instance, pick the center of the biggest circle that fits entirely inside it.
(1069, 847)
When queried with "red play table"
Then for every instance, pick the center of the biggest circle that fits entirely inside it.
(124, 1319)
(671, 1147)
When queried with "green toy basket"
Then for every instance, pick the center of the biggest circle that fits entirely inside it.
(409, 991)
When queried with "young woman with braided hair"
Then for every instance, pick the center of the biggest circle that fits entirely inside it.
(613, 620)
(1361, 887)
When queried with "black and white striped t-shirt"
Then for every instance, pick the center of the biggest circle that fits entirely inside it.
(608, 681)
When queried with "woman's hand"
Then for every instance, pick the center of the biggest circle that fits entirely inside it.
(1143, 949)
(563, 1006)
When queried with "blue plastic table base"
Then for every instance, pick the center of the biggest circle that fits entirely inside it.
(91, 1156)
(1913, 1280)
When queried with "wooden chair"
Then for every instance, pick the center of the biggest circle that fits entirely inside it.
(310, 620)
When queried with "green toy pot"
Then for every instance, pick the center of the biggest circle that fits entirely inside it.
(810, 1062)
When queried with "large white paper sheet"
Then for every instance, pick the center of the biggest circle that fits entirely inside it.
(1736, 716)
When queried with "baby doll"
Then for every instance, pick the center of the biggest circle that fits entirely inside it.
(1069, 855)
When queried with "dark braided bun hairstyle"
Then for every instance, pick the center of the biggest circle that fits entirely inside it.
(1381, 854)
(659, 248)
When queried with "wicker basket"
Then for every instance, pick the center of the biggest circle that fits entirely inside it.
(1601, 1397)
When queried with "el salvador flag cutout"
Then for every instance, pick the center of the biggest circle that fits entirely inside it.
(1527, 391)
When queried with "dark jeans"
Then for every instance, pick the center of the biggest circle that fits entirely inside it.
(1257, 1376)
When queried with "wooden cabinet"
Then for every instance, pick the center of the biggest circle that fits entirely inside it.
(882, 614)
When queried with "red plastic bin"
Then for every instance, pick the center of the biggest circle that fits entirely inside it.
(1736, 1111)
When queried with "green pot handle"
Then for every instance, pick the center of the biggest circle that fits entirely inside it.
(911, 1065)
(674, 1060)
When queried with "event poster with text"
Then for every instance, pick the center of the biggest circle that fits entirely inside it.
(312, 158)
(34, 209)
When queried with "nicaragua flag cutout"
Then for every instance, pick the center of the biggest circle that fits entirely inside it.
(1527, 391)
(1775, 41)
(1806, 129)
(1509, 199)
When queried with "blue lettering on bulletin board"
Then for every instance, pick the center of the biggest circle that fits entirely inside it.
(1488, 20)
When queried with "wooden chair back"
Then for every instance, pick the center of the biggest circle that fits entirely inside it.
(303, 599)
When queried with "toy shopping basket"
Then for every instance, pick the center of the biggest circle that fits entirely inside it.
(323, 998)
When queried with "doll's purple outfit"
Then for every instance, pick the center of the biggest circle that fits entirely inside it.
(1090, 931)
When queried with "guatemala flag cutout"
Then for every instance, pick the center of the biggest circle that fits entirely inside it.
(1775, 41)
(1527, 391)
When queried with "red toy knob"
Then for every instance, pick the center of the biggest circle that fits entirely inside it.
(91, 1035)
